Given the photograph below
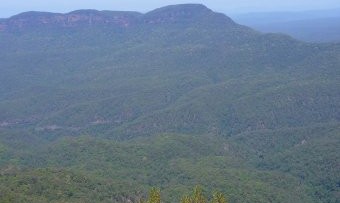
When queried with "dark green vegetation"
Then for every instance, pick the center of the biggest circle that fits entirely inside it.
(100, 106)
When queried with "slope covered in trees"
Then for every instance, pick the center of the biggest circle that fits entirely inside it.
(177, 97)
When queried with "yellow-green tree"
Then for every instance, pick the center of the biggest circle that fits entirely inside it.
(186, 199)
(196, 197)
(218, 197)
(154, 196)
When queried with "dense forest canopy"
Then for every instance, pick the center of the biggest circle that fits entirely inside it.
(100, 106)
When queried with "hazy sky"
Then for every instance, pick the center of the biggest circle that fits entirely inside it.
(11, 7)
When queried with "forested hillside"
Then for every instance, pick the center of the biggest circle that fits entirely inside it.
(100, 106)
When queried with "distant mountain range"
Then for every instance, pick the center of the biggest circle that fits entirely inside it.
(311, 26)
(33, 20)
(98, 106)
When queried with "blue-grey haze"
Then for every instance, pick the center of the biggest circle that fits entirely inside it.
(12, 7)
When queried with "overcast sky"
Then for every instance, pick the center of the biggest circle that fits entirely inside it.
(11, 7)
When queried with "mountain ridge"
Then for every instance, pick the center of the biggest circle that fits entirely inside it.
(167, 14)
(185, 97)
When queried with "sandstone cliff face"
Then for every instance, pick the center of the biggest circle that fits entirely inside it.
(170, 14)
(73, 19)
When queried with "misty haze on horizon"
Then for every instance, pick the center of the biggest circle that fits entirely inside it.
(229, 7)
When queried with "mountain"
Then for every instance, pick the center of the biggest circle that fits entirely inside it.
(31, 20)
(178, 96)
(310, 26)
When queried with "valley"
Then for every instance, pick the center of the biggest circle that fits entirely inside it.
(100, 106)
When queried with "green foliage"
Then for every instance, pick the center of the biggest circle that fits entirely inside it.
(154, 196)
(196, 197)
(170, 161)
(186, 199)
(53, 185)
(310, 154)
(172, 102)
(218, 197)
